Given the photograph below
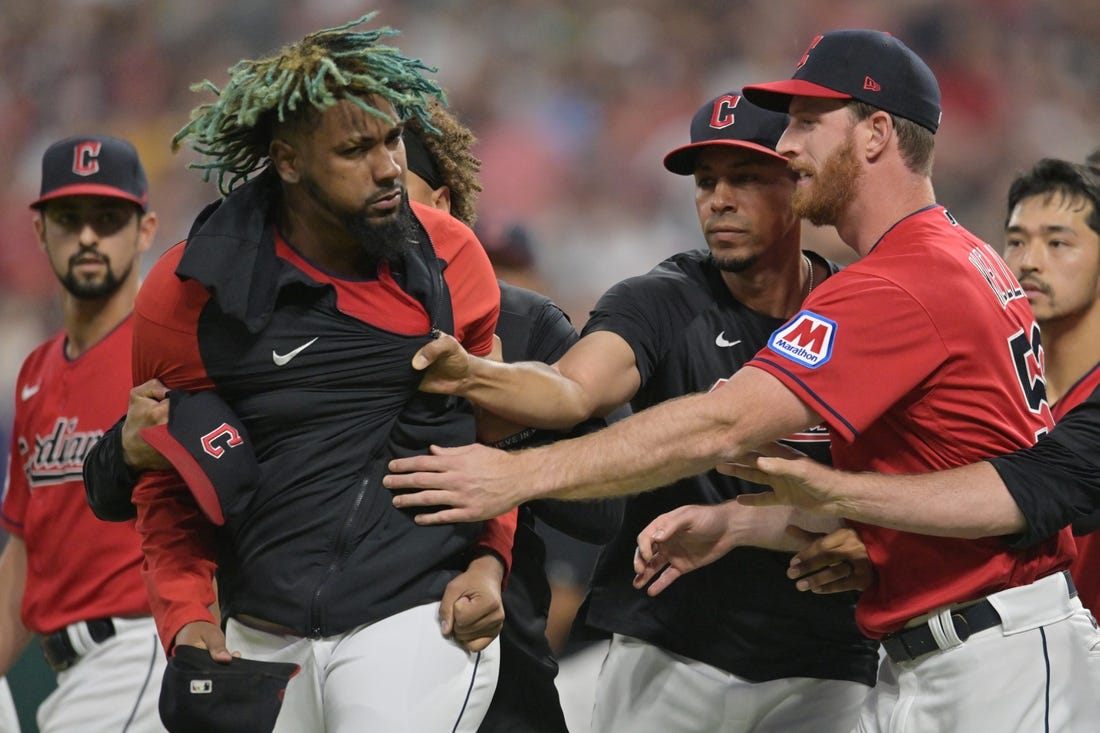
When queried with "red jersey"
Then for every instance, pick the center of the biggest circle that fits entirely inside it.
(78, 567)
(1086, 568)
(923, 356)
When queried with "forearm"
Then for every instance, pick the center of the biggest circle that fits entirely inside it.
(652, 448)
(178, 543)
(967, 502)
(14, 636)
(766, 527)
(527, 393)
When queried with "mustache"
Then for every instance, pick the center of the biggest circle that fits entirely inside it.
(1043, 287)
(89, 255)
(396, 190)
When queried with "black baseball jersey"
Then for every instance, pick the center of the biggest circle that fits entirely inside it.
(1057, 481)
(533, 328)
(741, 614)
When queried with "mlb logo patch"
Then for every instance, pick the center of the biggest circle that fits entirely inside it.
(806, 339)
(202, 687)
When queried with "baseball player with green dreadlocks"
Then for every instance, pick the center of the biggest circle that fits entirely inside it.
(284, 327)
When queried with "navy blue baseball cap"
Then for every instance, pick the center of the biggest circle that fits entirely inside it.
(198, 694)
(93, 165)
(865, 65)
(729, 119)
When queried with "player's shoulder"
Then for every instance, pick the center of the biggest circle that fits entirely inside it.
(684, 273)
(52, 349)
(450, 237)
(164, 293)
(523, 301)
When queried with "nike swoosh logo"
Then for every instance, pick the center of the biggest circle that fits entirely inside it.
(284, 359)
(720, 340)
(27, 392)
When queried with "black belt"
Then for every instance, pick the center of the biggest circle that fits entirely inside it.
(58, 647)
(909, 644)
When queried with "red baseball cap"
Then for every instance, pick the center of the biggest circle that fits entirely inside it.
(93, 165)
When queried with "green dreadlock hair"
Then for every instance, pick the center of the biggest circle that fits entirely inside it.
(322, 69)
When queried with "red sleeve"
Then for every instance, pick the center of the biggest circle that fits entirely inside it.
(837, 342)
(475, 294)
(497, 537)
(178, 543)
(176, 538)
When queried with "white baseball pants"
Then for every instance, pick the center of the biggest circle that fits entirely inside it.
(398, 675)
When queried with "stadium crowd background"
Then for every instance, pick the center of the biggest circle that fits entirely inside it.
(574, 103)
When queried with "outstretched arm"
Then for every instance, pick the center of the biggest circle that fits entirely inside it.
(652, 448)
(692, 536)
(594, 377)
(966, 502)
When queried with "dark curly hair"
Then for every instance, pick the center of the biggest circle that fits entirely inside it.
(303, 79)
(449, 146)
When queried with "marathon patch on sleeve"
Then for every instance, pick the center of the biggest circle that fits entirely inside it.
(806, 339)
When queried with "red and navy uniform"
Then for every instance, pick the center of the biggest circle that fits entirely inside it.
(318, 370)
(62, 408)
(1086, 568)
(922, 356)
(742, 614)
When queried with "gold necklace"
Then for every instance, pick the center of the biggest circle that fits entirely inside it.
(809, 273)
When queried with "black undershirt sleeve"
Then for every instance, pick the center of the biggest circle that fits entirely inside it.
(1057, 481)
(108, 481)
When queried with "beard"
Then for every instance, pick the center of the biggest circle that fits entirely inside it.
(732, 264)
(383, 239)
(831, 190)
(386, 238)
(93, 289)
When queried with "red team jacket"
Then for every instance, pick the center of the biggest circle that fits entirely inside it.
(78, 567)
(920, 357)
(1086, 568)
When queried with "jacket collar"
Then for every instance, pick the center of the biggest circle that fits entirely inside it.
(231, 252)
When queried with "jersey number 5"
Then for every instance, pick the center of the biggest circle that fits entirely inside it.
(1027, 357)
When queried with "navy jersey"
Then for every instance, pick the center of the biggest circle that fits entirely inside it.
(741, 614)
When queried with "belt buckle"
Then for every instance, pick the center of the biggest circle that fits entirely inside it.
(962, 626)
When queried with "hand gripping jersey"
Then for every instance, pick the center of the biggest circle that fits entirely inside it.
(78, 567)
(923, 355)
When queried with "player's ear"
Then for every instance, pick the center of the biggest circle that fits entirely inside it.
(441, 198)
(39, 222)
(880, 128)
(284, 156)
(147, 229)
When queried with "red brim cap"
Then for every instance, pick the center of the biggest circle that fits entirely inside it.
(777, 95)
(682, 160)
(89, 189)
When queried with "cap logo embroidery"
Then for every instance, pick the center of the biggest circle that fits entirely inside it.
(722, 116)
(202, 687)
(806, 339)
(871, 85)
(806, 56)
(225, 430)
(86, 158)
